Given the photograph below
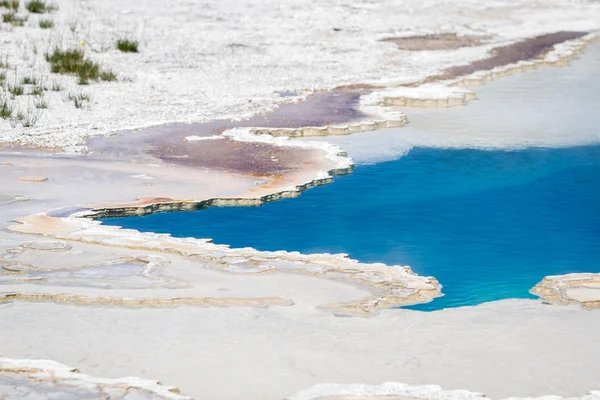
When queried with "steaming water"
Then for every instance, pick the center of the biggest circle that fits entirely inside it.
(488, 198)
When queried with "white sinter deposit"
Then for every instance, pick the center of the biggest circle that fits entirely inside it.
(46, 379)
(401, 391)
(236, 58)
(263, 318)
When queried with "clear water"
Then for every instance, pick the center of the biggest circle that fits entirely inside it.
(487, 224)
(488, 198)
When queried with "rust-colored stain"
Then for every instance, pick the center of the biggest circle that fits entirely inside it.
(524, 50)
(168, 142)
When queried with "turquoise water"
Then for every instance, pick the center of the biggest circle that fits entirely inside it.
(487, 224)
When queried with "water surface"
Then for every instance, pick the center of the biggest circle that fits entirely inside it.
(488, 198)
(487, 224)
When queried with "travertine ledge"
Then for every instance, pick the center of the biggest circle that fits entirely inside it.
(578, 288)
(149, 302)
(402, 391)
(386, 121)
(442, 93)
(560, 55)
(392, 286)
(52, 380)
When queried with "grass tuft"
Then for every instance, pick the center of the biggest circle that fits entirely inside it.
(13, 19)
(127, 46)
(29, 80)
(15, 90)
(30, 119)
(74, 62)
(56, 86)
(79, 99)
(37, 91)
(46, 24)
(39, 7)
(6, 109)
(10, 4)
(40, 104)
(108, 76)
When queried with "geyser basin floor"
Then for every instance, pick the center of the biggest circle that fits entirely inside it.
(487, 224)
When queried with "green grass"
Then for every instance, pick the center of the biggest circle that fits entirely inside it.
(2, 78)
(46, 24)
(30, 119)
(29, 80)
(39, 7)
(37, 91)
(6, 109)
(40, 104)
(128, 46)
(79, 99)
(13, 19)
(56, 86)
(8, 17)
(108, 76)
(74, 62)
(10, 4)
(16, 90)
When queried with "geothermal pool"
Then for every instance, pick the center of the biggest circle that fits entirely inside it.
(488, 198)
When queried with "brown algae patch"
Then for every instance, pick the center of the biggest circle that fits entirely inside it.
(444, 90)
(155, 145)
(437, 41)
(320, 114)
(523, 50)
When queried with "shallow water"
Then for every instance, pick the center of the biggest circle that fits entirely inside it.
(547, 107)
(488, 224)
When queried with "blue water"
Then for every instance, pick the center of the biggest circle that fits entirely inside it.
(487, 224)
